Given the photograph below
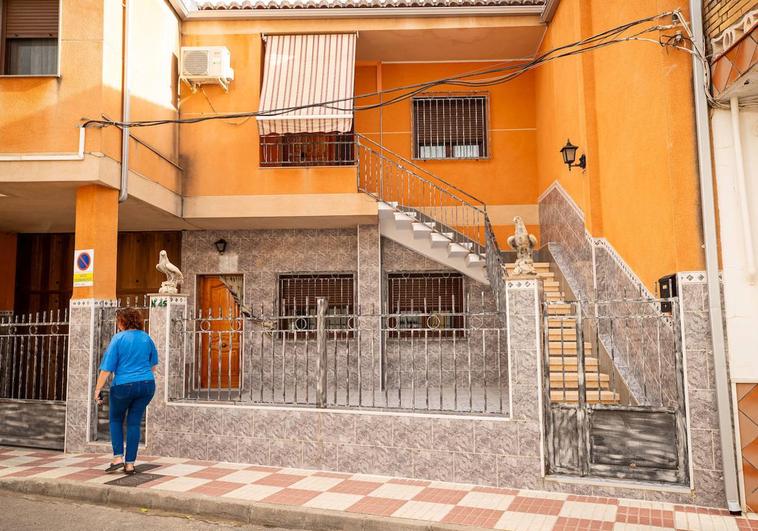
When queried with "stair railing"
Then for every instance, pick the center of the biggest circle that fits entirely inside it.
(495, 266)
(388, 177)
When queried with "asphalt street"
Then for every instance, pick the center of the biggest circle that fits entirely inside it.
(22, 512)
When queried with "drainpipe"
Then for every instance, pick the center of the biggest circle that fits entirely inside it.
(747, 230)
(712, 266)
(124, 184)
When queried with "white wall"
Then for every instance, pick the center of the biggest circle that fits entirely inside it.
(740, 291)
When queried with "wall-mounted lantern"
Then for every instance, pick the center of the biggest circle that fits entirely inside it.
(220, 245)
(569, 156)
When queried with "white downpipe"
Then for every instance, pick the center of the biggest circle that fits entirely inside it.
(723, 398)
(79, 155)
(742, 190)
(123, 193)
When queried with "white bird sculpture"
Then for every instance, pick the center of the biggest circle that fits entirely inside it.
(174, 277)
(524, 244)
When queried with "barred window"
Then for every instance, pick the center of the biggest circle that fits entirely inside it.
(306, 149)
(450, 127)
(425, 301)
(298, 294)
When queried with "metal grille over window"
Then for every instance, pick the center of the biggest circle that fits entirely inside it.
(297, 300)
(307, 149)
(450, 127)
(425, 302)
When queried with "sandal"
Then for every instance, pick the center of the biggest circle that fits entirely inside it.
(114, 467)
(130, 471)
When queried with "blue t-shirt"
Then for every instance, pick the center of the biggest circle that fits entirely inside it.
(130, 356)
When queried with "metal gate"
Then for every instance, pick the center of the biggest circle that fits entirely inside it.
(614, 391)
(33, 360)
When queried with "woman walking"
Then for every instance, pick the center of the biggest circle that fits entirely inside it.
(132, 358)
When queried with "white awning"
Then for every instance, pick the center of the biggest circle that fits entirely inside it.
(303, 70)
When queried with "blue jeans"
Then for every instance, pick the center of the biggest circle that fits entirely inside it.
(128, 400)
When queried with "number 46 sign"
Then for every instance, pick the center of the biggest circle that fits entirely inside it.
(84, 268)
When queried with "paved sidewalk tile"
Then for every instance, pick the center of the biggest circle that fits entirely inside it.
(433, 501)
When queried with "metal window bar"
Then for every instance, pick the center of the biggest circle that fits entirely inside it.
(33, 356)
(450, 127)
(298, 295)
(426, 301)
(307, 149)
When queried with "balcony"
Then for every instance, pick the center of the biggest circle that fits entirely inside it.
(307, 150)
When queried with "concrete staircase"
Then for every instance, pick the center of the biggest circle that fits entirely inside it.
(562, 347)
(410, 228)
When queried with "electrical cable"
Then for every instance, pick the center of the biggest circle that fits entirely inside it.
(509, 70)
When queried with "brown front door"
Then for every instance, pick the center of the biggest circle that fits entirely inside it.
(219, 341)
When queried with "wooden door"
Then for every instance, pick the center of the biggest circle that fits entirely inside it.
(219, 341)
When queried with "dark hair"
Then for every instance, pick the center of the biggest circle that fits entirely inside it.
(129, 318)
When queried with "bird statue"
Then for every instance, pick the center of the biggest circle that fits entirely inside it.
(524, 244)
(174, 277)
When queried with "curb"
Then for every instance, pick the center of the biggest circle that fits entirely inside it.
(256, 513)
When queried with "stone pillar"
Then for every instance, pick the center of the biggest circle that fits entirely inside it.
(703, 420)
(85, 345)
(369, 301)
(523, 308)
(369, 269)
(167, 315)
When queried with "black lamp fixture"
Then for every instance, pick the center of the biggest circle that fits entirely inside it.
(569, 156)
(220, 245)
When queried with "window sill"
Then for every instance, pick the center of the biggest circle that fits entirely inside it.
(23, 76)
(307, 167)
(471, 159)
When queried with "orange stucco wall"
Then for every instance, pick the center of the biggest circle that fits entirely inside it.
(41, 114)
(629, 108)
(222, 157)
(626, 106)
(508, 175)
(230, 148)
(97, 228)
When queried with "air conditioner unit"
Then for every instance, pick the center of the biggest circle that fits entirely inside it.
(199, 65)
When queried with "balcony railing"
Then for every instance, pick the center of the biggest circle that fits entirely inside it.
(307, 150)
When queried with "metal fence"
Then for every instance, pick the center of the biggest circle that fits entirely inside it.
(33, 356)
(441, 362)
(630, 352)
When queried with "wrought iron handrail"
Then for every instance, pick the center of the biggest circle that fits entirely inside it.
(460, 370)
(430, 198)
(431, 177)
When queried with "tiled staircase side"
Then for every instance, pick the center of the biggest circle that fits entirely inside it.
(562, 224)
(595, 272)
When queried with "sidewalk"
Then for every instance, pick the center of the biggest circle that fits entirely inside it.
(312, 494)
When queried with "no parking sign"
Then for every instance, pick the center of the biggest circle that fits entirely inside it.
(84, 268)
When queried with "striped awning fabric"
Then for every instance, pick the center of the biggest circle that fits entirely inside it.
(303, 70)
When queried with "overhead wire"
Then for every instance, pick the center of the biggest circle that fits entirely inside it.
(508, 69)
